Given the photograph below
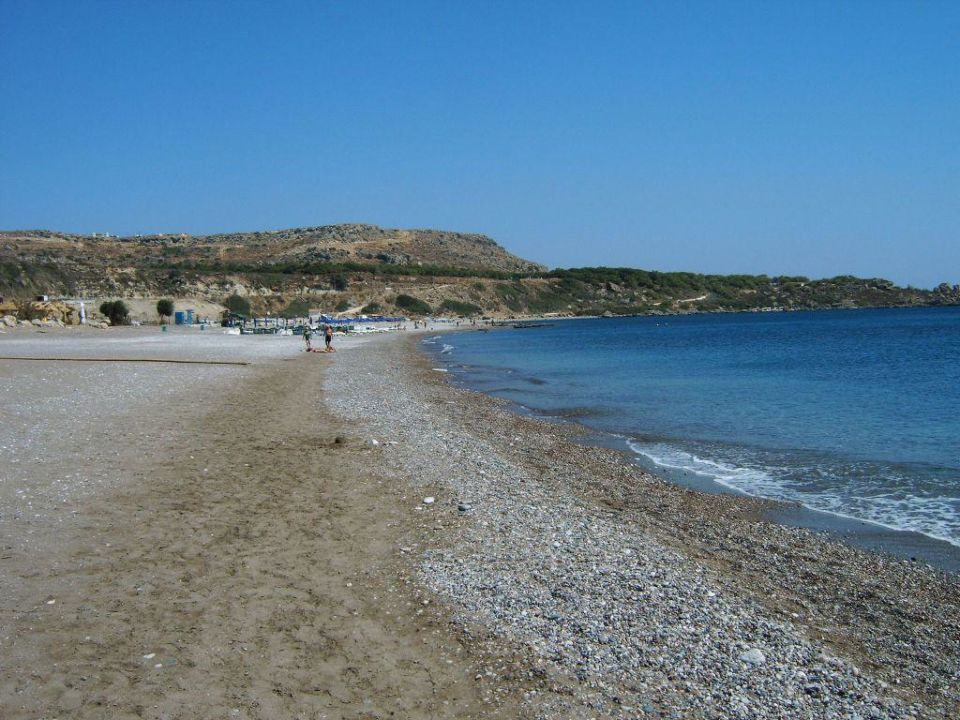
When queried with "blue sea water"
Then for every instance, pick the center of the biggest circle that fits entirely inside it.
(855, 413)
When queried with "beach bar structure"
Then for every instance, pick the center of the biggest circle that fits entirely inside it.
(273, 325)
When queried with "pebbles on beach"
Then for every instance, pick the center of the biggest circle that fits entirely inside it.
(636, 626)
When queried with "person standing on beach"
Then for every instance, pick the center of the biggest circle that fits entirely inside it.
(307, 335)
(328, 338)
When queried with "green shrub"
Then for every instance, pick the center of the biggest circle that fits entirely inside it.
(343, 305)
(340, 282)
(510, 295)
(298, 307)
(164, 308)
(238, 304)
(457, 307)
(371, 309)
(116, 311)
(412, 304)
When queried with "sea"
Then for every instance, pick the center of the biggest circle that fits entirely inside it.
(852, 413)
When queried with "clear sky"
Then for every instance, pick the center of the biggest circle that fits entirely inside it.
(767, 137)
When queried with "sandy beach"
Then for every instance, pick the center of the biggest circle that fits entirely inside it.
(349, 536)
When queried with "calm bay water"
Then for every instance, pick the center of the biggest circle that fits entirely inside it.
(855, 413)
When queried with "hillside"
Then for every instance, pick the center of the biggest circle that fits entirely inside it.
(337, 268)
(325, 244)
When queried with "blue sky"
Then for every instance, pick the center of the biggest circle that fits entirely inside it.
(781, 138)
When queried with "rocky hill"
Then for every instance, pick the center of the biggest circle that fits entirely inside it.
(352, 243)
(346, 268)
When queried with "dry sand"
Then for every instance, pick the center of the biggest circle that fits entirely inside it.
(195, 542)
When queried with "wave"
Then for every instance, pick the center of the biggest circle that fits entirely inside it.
(570, 413)
(936, 516)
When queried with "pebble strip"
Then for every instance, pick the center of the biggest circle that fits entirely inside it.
(640, 629)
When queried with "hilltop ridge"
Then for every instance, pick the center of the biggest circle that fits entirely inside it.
(350, 242)
(360, 267)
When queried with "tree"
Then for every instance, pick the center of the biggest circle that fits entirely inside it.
(116, 311)
(298, 307)
(238, 305)
(164, 308)
(340, 282)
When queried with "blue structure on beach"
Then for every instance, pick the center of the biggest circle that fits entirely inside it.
(327, 320)
(183, 317)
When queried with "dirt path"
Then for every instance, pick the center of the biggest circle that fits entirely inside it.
(250, 570)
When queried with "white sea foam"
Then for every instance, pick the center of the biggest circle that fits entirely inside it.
(935, 516)
(447, 349)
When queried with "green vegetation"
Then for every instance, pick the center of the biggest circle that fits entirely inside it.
(329, 270)
(463, 309)
(551, 299)
(164, 308)
(412, 304)
(237, 304)
(26, 278)
(511, 295)
(116, 311)
(298, 307)
(179, 268)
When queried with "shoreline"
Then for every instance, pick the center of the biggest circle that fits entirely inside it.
(886, 623)
(868, 535)
(906, 545)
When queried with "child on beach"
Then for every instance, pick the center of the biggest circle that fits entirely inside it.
(307, 335)
(328, 338)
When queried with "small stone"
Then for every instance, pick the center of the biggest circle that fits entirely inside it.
(428, 500)
(754, 656)
(463, 507)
